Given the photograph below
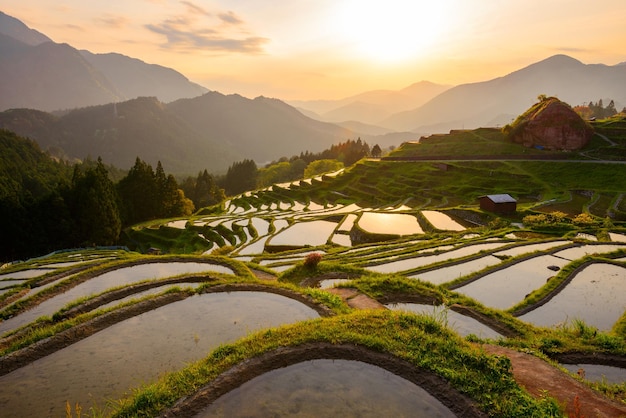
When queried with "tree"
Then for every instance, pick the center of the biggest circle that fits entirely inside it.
(376, 151)
(275, 173)
(240, 177)
(322, 166)
(94, 206)
(139, 193)
(610, 109)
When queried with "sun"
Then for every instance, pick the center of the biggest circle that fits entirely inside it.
(391, 30)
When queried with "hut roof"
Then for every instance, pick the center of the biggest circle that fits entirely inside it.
(500, 198)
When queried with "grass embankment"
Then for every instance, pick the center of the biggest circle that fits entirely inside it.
(421, 340)
(464, 143)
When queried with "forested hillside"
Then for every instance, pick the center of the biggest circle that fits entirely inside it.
(188, 135)
(47, 205)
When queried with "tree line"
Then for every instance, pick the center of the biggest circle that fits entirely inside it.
(597, 110)
(245, 175)
(48, 204)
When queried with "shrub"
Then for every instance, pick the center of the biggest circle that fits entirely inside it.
(583, 219)
(312, 260)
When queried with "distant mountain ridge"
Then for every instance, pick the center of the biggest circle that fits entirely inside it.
(371, 106)
(206, 132)
(16, 29)
(502, 99)
(40, 74)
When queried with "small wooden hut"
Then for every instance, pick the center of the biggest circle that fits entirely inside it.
(498, 203)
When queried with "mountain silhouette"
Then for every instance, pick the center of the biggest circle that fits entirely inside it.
(38, 73)
(500, 100)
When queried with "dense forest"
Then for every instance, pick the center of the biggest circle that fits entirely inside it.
(47, 204)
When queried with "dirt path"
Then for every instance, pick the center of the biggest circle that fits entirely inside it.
(356, 299)
(537, 376)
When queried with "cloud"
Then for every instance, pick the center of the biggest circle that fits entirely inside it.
(231, 18)
(201, 29)
(194, 8)
(571, 49)
(112, 21)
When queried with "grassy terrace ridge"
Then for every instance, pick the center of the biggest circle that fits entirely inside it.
(421, 340)
(463, 143)
(492, 143)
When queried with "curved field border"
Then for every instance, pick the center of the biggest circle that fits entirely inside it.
(463, 310)
(455, 284)
(88, 274)
(48, 278)
(545, 299)
(42, 348)
(434, 384)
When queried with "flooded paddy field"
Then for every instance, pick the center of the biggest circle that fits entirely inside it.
(328, 388)
(598, 372)
(138, 350)
(273, 238)
(462, 324)
(109, 280)
(596, 295)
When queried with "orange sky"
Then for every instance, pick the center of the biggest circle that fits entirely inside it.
(314, 49)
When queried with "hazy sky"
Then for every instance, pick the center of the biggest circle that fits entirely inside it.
(309, 49)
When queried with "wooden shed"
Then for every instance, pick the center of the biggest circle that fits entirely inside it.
(498, 203)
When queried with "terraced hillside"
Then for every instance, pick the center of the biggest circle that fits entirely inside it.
(386, 264)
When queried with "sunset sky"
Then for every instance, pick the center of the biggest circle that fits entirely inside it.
(313, 49)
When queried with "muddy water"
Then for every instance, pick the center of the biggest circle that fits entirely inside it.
(411, 263)
(261, 225)
(328, 388)
(447, 274)
(390, 223)
(347, 223)
(580, 252)
(330, 283)
(26, 274)
(10, 283)
(599, 373)
(150, 292)
(504, 288)
(442, 221)
(257, 247)
(461, 324)
(530, 248)
(597, 295)
(341, 239)
(138, 350)
(305, 233)
(116, 278)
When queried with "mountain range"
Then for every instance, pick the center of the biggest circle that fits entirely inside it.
(40, 74)
(206, 132)
(498, 101)
(118, 107)
(374, 105)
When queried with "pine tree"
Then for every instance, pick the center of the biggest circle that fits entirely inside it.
(139, 193)
(95, 206)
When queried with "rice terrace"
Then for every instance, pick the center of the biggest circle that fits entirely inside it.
(380, 289)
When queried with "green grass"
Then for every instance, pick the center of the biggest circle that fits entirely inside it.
(419, 339)
(463, 143)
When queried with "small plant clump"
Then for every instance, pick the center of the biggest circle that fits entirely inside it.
(312, 260)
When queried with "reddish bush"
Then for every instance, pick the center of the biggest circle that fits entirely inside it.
(312, 260)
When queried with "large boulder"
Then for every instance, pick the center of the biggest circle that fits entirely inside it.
(550, 124)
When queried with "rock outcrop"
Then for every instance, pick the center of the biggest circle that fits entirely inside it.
(550, 124)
